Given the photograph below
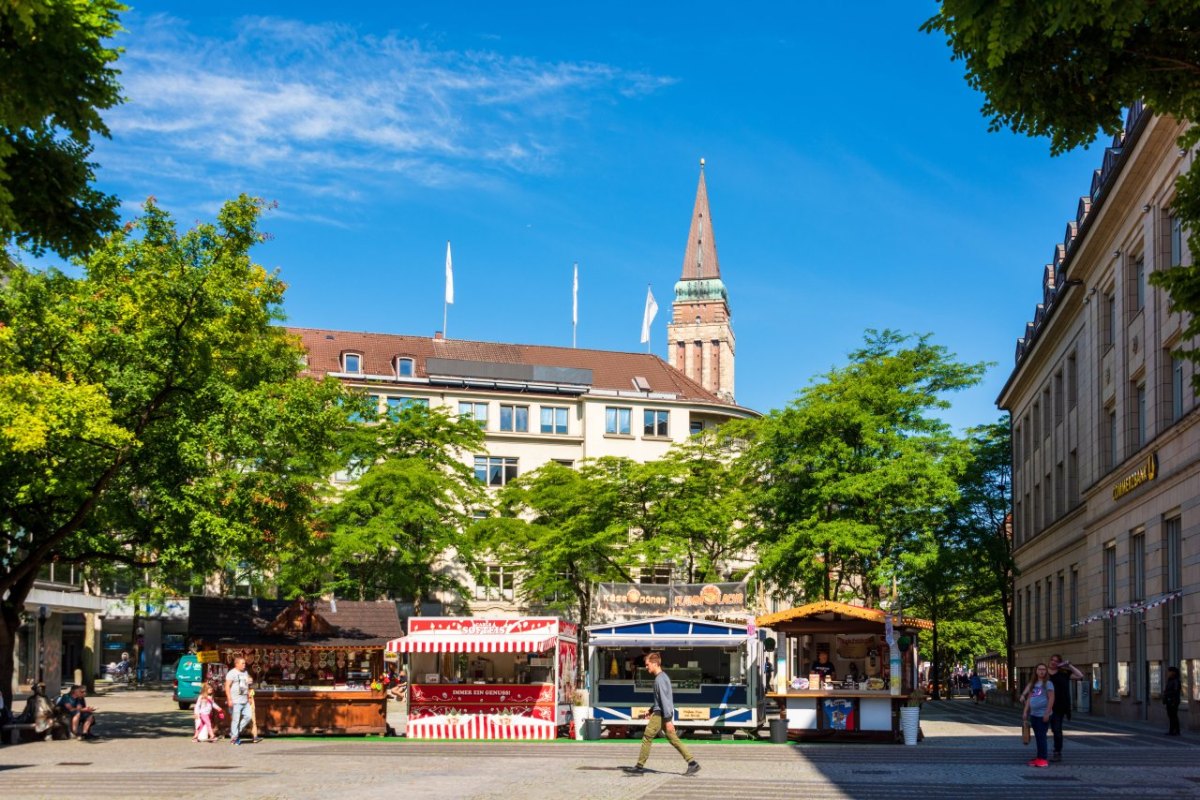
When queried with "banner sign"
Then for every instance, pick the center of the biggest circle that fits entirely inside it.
(208, 656)
(535, 700)
(619, 601)
(478, 626)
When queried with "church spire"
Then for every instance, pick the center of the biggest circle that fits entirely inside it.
(700, 256)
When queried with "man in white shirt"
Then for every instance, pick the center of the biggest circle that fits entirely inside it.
(237, 693)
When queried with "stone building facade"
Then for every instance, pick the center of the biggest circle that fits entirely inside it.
(1106, 444)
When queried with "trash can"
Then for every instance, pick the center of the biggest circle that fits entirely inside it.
(591, 729)
(779, 731)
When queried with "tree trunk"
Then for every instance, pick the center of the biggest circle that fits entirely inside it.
(10, 623)
(935, 669)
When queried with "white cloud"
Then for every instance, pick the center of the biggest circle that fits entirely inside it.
(325, 109)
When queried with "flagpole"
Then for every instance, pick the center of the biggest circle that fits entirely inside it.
(575, 306)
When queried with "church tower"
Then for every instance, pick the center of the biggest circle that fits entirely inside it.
(700, 335)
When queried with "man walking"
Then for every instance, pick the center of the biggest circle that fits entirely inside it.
(663, 709)
(237, 693)
(1061, 675)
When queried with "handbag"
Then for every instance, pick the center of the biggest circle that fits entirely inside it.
(1025, 731)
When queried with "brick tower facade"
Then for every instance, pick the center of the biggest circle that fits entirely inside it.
(700, 335)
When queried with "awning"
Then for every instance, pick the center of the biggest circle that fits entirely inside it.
(450, 643)
(660, 640)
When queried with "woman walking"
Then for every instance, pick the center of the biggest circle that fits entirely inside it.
(1039, 700)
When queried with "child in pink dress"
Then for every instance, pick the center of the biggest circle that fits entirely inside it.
(205, 708)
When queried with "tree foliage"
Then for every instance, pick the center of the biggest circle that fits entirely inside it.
(151, 413)
(56, 76)
(853, 468)
(1066, 68)
(409, 507)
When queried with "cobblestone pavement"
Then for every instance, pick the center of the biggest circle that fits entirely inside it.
(968, 750)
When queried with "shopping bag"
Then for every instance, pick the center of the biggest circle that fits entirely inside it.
(1025, 731)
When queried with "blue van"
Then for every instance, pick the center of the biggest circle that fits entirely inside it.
(189, 677)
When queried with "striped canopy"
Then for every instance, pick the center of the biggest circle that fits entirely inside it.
(465, 643)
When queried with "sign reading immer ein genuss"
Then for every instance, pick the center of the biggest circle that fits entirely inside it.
(1145, 472)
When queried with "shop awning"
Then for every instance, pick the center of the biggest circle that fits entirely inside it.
(465, 643)
(667, 632)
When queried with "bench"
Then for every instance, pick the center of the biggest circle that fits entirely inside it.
(11, 733)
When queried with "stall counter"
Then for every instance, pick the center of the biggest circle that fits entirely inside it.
(313, 711)
(842, 712)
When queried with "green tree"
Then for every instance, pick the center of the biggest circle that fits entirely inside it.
(569, 529)
(406, 511)
(854, 466)
(1066, 68)
(152, 414)
(56, 75)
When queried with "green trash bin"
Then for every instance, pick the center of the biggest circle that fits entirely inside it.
(591, 729)
(779, 731)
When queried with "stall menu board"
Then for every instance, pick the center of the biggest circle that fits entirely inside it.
(536, 701)
(302, 665)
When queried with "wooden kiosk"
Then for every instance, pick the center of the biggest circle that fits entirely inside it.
(316, 666)
(857, 703)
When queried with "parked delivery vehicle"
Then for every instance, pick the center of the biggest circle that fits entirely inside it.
(189, 676)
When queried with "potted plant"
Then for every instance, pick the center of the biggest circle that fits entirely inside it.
(910, 717)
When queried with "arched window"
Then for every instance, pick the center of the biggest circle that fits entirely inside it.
(352, 362)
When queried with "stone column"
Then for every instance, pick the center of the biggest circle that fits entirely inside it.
(52, 647)
(152, 649)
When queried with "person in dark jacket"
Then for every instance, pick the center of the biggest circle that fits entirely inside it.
(663, 709)
(1172, 695)
(1062, 672)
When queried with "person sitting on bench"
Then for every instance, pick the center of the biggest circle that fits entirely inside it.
(80, 716)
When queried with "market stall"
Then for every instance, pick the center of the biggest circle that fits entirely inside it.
(315, 666)
(489, 678)
(834, 674)
(715, 670)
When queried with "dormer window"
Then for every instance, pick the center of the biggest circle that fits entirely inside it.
(404, 367)
(352, 363)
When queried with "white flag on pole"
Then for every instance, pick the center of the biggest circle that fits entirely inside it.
(449, 277)
(575, 298)
(648, 317)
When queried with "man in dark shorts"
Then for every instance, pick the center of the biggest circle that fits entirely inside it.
(80, 716)
(662, 717)
(1061, 674)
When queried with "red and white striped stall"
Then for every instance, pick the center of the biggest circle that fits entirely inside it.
(473, 678)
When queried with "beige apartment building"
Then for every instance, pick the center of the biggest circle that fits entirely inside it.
(539, 404)
(1106, 445)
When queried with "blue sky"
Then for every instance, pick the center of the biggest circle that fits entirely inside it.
(852, 180)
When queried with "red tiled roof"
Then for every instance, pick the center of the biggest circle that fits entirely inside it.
(611, 370)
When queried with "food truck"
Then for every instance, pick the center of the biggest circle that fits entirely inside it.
(857, 699)
(715, 670)
(476, 678)
(315, 665)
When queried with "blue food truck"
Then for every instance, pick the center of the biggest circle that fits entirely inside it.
(715, 670)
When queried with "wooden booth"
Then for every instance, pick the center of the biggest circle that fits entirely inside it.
(859, 699)
(316, 666)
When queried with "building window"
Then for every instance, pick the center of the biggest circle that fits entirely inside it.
(1139, 416)
(1072, 479)
(1037, 509)
(554, 420)
(1173, 582)
(1037, 417)
(1028, 615)
(1072, 381)
(1110, 625)
(1175, 232)
(656, 573)
(1060, 491)
(475, 411)
(1176, 388)
(1018, 453)
(1018, 633)
(351, 473)
(494, 470)
(1110, 319)
(1059, 398)
(1025, 446)
(616, 420)
(564, 462)
(1109, 439)
(1139, 284)
(655, 422)
(397, 404)
(694, 427)
(1049, 608)
(352, 363)
(498, 582)
(404, 367)
(514, 419)
(1037, 611)
(1074, 599)
(1046, 420)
